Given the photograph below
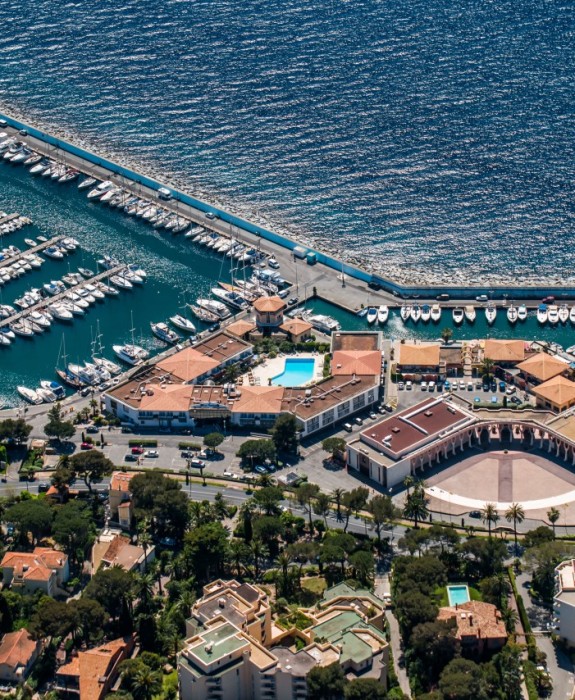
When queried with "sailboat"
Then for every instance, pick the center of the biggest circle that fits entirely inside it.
(98, 359)
(512, 314)
(131, 353)
(64, 374)
(490, 313)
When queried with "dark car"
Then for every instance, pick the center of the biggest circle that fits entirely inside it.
(376, 286)
(515, 399)
(214, 327)
(493, 386)
(502, 386)
(130, 458)
(475, 514)
(92, 429)
(293, 301)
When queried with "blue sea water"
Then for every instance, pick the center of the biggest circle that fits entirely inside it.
(426, 138)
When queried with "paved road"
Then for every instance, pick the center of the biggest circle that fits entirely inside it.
(559, 663)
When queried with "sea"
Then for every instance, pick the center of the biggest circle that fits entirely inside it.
(425, 139)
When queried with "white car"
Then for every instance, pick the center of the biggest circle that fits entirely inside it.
(409, 386)
(423, 386)
(274, 264)
(151, 453)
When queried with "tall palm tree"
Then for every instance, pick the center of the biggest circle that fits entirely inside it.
(338, 497)
(446, 334)
(490, 516)
(416, 506)
(487, 368)
(516, 514)
(145, 540)
(258, 552)
(146, 684)
(322, 506)
(408, 482)
(510, 618)
(553, 514)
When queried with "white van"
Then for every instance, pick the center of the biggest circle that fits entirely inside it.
(348, 427)
(359, 421)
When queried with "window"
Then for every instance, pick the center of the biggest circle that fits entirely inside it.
(329, 416)
(313, 424)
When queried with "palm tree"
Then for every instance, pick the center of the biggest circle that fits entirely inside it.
(337, 497)
(145, 540)
(220, 506)
(446, 334)
(408, 482)
(416, 506)
(509, 617)
(516, 513)
(487, 368)
(239, 553)
(553, 514)
(258, 552)
(322, 506)
(146, 684)
(490, 516)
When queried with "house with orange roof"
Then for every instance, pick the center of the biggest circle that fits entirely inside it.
(360, 362)
(91, 674)
(18, 652)
(115, 549)
(121, 499)
(44, 569)
(257, 405)
(541, 367)
(557, 394)
(297, 329)
(241, 328)
(269, 313)
(418, 358)
(479, 626)
(504, 353)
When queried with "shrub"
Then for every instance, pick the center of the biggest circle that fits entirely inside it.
(189, 446)
(142, 443)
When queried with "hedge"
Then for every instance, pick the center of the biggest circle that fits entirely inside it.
(142, 443)
(189, 446)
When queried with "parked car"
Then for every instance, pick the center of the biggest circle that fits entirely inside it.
(137, 450)
(86, 446)
(92, 429)
(482, 297)
(293, 301)
(186, 454)
(373, 415)
(502, 386)
(130, 457)
(423, 386)
(43, 486)
(210, 215)
(274, 264)
(260, 469)
(400, 385)
(475, 514)
(151, 453)
(409, 386)
(431, 386)
(447, 385)
(388, 407)
(515, 399)
(511, 390)
(195, 462)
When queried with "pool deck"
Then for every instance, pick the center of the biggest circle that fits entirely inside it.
(275, 365)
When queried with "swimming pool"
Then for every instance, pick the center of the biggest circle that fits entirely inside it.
(458, 595)
(297, 371)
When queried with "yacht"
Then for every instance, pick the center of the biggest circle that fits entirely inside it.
(38, 168)
(107, 289)
(40, 318)
(29, 395)
(108, 262)
(203, 314)
(457, 315)
(321, 322)
(54, 287)
(85, 272)
(512, 314)
(33, 159)
(7, 333)
(165, 333)
(94, 291)
(214, 307)
(572, 314)
(47, 395)
(553, 314)
(84, 374)
(382, 314)
(490, 313)
(54, 387)
(425, 313)
(53, 252)
(132, 277)
(522, 312)
(470, 313)
(563, 313)
(371, 315)
(4, 339)
(182, 323)
(121, 282)
(231, 298)
(87, 182)
(131, 354)
(108, 194)
(100, 190)
(69, 175)
(22, 328)
(108, 365)
(30, 242)
(70, 380)
(61, 312)
(415, 313)
(542, 313)
(436, 313)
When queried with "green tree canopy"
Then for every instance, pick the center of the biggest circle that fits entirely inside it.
(461, 680)
(205, 551)
(435, 645)
(91, 465)
(15, 429)
(161, 501)
(253, 452)
(114, 589)
(268, 499)
(32, 518)
(326, 682)
(364, 689)
(284, 433)
(57, 427)
(335, 446)
(73, 528)
(213, 440)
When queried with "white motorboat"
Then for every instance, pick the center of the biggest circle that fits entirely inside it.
(553, 314)
(521, 312)
(135, 269)
(77, 299)
(458, 315)
(131, 276)
(425, 313)
(107, 289)
(54, 387)
(121, 282)
(215, 307)
(69, 175)
(87, 182)
(22, 328)
(100, 190)
(563, 313)
(203, 314)
(405, 312)
(94, 291)
(436, 313)
(571, 314)
(382, 314)
(106, 364)
(87, 375)
(83, 293)
(47, 395)
(33, 159)
(85, 272)
(61, 312)
(131, 354)
(29, 395)
(490, 313)
(165, 333)
(38, 168)
(4, 339)
(30, 242)
(231, 298)
(53, 252)
(54, 287)
(512, 314)
(108, 262)
(108, 194)
(542, 313)
(470, 313)
(7, 333)
(40, 318)
(183, 323)
(6, 311)
(371, 315)
(323, 323)
(415, 313)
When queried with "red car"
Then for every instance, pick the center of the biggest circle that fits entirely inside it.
(86, 446)
(137, 450)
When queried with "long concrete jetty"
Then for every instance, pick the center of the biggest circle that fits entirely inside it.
(335, 273)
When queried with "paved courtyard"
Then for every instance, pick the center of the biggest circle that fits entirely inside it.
(503, 477)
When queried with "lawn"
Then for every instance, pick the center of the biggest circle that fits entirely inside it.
(316, 584)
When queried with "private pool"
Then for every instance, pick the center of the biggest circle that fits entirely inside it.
(458, 595)
(297, 371)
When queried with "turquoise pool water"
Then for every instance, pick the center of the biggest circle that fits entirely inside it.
(297, 371)
(457, 595)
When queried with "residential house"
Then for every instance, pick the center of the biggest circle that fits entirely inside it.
(120, 499)
(480, 628)
(18, 652)
(504, 353)
(115, 549)
(44, 569)
(269, 313)
(418, 358)
(564, 601)
(557, 394)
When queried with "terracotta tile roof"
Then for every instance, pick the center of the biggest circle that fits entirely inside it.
(476, 619)
(307, 402)
(120, 481)
(50, 557)
(419, 355)
(17, 648)
(356, 362)
(241, 327)
(296, 326)
(259, 399)
(188, 364)
(121, 552)
(543, 366)
(171, 397)
(269, 304)
(35, 566)
(559, 391)
(505, 350)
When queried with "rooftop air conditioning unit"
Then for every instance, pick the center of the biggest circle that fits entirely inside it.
(209, 647)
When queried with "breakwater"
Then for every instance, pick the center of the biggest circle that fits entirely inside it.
(143, 185)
